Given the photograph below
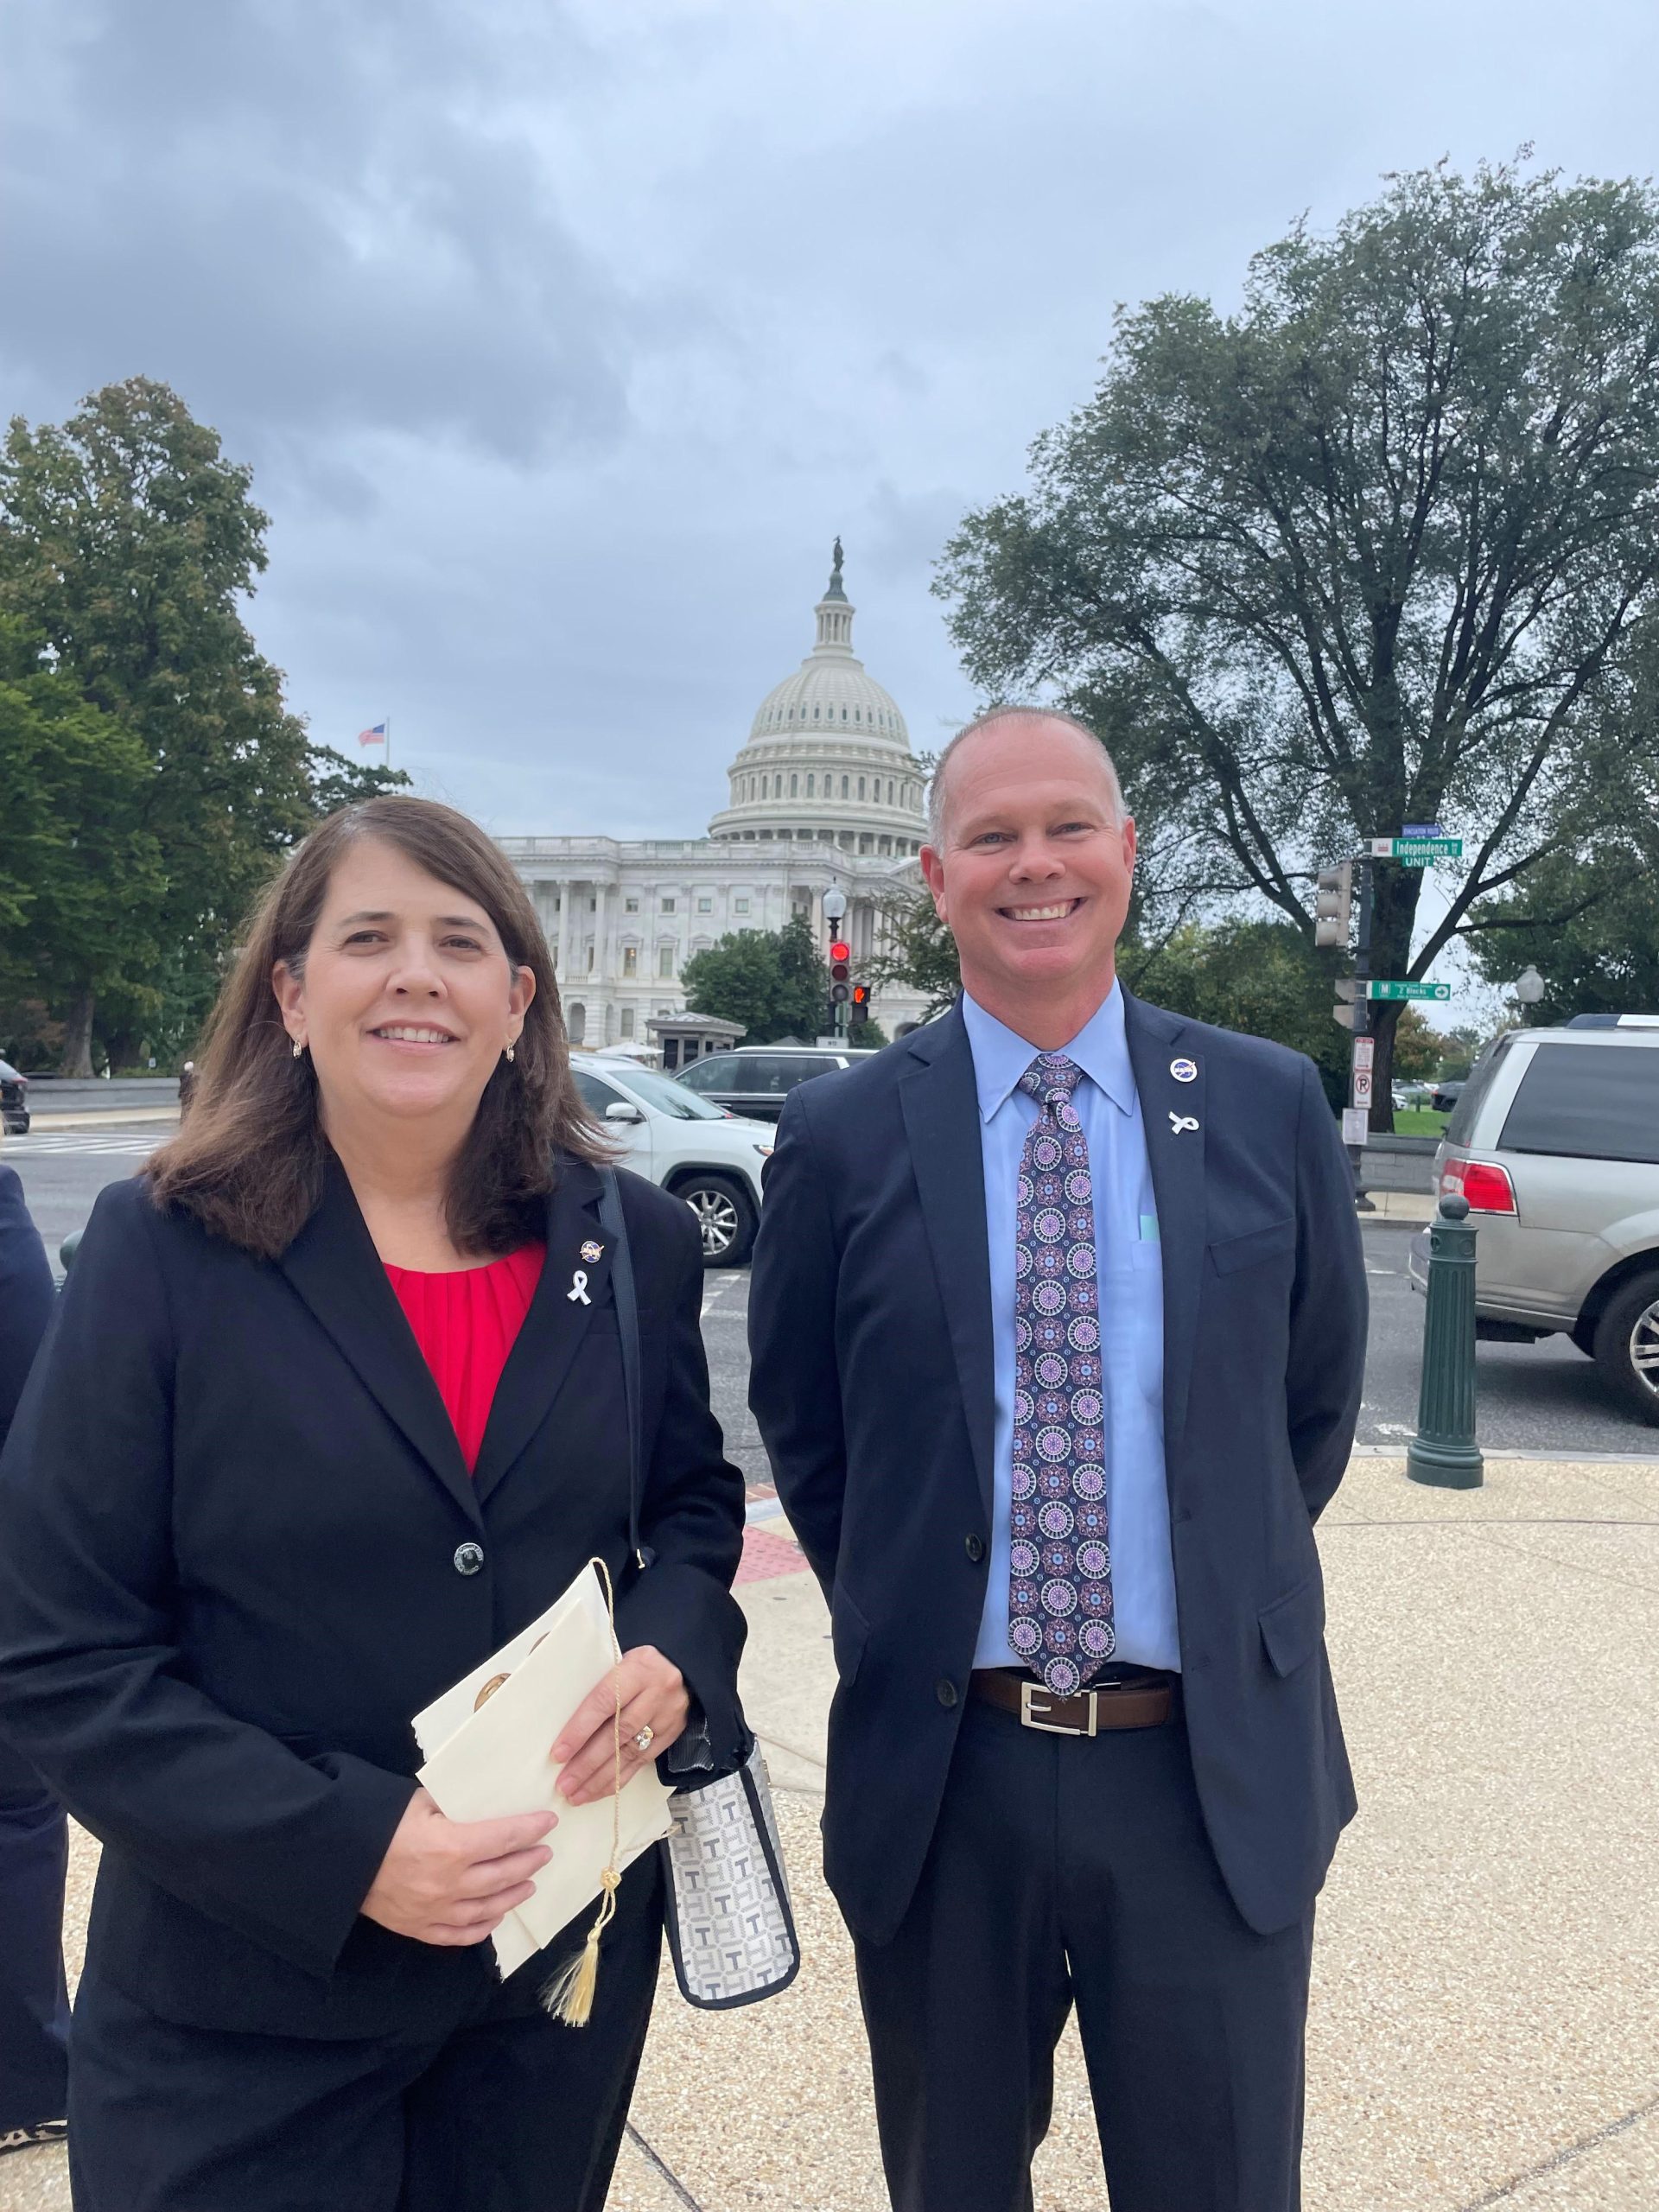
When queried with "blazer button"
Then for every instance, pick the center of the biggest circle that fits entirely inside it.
(976, 1549)
(946, 1691)
(468, 1558)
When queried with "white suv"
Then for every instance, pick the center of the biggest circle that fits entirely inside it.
(704, 1155)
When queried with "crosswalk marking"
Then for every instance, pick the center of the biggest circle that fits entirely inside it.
(84, 1144)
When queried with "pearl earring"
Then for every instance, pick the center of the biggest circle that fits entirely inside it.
(299, 1049)
(509, 1052)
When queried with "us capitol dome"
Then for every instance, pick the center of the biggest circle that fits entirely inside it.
(826, 790)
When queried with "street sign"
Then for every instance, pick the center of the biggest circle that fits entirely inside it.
(1422, 829)
(1356, 1125)
(1364, 1051)
(1362, 1086)
(1416, 852)
(1408, 991)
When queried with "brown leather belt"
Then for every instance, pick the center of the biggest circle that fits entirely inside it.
(1131, 1697)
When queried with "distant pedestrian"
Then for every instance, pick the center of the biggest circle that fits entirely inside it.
(1058, 1324)
(33, 1832)
(336, 1407)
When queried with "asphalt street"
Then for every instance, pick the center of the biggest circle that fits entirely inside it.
(1545, 1398)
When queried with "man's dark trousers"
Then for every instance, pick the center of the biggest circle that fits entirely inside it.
(1068, 1871)
(34, 2006)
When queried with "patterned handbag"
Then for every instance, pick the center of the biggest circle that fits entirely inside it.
(731, 1930)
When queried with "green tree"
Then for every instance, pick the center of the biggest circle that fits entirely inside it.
(80, 877)
(919, 952)
(1382, 547)
(128, 545)
(772, 981)
(1419, 1050)
(1590, 927)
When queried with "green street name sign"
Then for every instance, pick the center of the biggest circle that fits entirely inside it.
(1416, 852)
(1407, 990)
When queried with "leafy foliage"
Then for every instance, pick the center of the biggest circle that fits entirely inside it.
(1261, 977)
(772, 981)
(1382, 546)
(1591, 928)
(128, 546)
(920, 952)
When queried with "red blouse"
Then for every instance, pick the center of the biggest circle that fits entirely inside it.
(465, 1323)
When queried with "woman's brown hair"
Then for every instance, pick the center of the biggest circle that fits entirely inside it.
(250, 1159)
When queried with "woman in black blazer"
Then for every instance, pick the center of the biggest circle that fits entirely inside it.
(241, 1544)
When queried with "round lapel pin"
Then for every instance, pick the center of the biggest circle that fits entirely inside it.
(1183, 1070)
(590, 1250)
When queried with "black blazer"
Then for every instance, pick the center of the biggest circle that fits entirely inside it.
(25, 1294)
(240, 1548)
(870, 1325)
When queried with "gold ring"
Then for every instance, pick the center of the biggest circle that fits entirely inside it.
(644, 1739)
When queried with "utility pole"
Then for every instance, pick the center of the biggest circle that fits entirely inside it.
(1365, 1043)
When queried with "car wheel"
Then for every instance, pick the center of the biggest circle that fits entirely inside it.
(1627, 1345)
(725, 1215)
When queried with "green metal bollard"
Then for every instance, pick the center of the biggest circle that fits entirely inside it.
(1444, 1451)
(68, 1249)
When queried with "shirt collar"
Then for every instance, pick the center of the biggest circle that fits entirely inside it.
(1101, 1049)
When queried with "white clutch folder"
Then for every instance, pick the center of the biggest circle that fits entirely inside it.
(485, 1744)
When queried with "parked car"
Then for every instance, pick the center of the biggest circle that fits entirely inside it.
(755, 1080)
(1554, 1143)
(709, 1158)
(1445, 1095)
(14, 1100)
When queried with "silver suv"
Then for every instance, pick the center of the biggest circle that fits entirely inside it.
(1555, 1145)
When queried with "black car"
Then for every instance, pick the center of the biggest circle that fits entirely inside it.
(14, 1100)
(1445, 1095)
(755, 1080)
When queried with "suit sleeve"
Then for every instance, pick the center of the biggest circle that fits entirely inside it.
(26, 1294)
(1325, 1371)
(691, 1523)
(794, 1375)
(94, 1688)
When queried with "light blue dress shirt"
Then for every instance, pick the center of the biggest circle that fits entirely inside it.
(1131, 1281)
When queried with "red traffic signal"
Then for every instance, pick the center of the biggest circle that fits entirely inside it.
(861, 993)
(840, 951)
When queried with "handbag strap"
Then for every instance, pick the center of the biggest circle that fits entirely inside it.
(613, 1220)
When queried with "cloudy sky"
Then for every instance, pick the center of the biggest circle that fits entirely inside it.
(563, 338)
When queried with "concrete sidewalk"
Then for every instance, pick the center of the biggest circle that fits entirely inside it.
(1484, 2033)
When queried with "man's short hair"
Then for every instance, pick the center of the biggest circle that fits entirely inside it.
(937, 788)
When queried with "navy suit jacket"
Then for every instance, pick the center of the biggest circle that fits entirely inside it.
(230, 1508)
(870, 1326)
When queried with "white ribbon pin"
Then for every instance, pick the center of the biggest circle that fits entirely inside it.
(579, 1285)
(1179, 1121)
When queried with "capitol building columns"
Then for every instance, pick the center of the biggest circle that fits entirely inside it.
(824, 791)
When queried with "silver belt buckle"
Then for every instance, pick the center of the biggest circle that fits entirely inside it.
(1028, 1719)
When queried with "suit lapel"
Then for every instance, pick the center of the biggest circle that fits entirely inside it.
(334, 1268)
(554, 1328)
(941, 1110)
(1176, 1157)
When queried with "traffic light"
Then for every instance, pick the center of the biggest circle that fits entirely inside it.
(860, 1008)
(1333, 903)
(840, 988)
(1344, 1012)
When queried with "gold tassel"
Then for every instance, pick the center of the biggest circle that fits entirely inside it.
(569, 1996)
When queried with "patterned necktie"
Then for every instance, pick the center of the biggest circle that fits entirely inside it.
(1059, 1565)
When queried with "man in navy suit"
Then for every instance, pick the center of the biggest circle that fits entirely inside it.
(1058, 1321)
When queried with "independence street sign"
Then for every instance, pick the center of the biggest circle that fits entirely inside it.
(1416, 852)
(1407, 990)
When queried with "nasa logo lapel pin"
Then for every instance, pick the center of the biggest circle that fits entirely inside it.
(1183, 1070)
(591, 1250)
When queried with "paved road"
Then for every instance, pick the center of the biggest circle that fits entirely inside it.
(1544, 1397)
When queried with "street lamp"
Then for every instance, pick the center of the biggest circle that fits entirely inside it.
(1528, 986)
(834, 903)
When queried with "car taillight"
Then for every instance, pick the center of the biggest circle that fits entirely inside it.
(1487, 1188)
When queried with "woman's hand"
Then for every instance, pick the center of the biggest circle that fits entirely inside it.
(454, 1882)
(654, 1696)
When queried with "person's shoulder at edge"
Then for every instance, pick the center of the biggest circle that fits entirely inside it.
(653, 1212)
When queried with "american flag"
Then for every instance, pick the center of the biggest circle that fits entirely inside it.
(375, 736)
